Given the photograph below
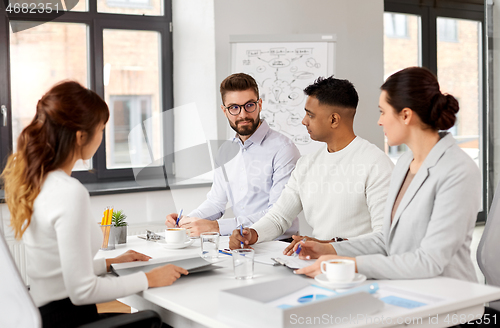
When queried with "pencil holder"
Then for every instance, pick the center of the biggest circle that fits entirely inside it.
(109, 238)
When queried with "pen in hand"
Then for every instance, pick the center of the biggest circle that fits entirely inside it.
(178, 218)
(299, 248)
(241, 233)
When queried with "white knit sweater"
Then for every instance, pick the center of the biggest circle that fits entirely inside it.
(61, 243)
(342, 193)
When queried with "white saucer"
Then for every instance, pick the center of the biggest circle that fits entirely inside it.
(187, 243)
(358, 278)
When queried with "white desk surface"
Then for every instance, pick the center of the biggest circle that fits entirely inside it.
(193, 301)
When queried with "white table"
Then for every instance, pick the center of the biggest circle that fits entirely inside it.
(193, 301)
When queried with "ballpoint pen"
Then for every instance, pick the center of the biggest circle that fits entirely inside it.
(299, 248)
(241, 233)
(178, 218)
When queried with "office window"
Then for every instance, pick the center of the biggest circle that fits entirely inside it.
(395, 25)
(131, 7)
(459, 72)
(132, 66)
(125, 113)
(400, 53)
(76, 5)
(58, 57)
(130, 3)
(451, 46)
(447, 29)
(125, 58)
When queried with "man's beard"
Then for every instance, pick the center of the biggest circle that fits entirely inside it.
(245, 130)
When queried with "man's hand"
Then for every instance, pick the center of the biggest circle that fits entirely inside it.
(197, 225)
(249, 237)
(315, 269)
(314, 249)
(171, 219)
(164, 275)
(290, 249)
(128, 256)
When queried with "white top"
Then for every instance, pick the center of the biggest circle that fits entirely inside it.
(342, 193)
(250, 178)
(61, 243)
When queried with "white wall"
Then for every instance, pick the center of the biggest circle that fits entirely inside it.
(358, 25)
(194, 77)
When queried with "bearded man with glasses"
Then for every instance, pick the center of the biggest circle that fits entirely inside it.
(252, 168)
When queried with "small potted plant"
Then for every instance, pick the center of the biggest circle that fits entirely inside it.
(120, 226)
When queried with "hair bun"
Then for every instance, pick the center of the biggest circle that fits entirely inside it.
(444, 110)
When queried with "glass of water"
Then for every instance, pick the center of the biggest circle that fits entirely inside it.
(209, 245)
(243, 263)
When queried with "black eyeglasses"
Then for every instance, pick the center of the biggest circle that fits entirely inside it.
(250, 107)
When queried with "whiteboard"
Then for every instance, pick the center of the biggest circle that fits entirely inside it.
(283, 66)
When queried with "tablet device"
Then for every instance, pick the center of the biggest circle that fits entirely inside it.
(193, 265)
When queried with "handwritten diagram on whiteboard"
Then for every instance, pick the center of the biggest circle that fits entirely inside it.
(283, 70)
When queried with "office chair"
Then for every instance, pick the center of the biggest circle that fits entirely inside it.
(17, 309)
(16, 305)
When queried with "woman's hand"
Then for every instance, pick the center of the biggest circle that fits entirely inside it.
(164, 275)
(315, 269)
(128, 256)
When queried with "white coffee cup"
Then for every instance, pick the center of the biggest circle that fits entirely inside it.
(175, 235)
(338, 270)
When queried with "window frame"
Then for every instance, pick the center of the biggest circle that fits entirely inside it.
(429, 11)
(96, 22)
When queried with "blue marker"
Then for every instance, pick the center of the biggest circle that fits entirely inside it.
(178, 218)
(241, 233)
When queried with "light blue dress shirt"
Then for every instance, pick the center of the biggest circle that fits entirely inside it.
(251, 181)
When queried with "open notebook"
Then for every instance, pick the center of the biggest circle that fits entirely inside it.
(193, 265)
(271, 252)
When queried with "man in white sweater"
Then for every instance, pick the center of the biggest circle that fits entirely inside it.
(342, 188)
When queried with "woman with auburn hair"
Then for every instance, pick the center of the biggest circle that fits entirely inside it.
(50, 210)
(433, 198)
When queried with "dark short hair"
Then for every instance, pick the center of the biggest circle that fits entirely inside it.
(238, 82)
(334, 92)
(418, 89)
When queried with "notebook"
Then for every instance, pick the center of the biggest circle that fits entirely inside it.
(271, 252)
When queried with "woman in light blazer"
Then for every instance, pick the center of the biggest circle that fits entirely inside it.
(434, 195)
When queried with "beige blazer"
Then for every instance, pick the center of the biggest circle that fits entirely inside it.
(432, 228)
